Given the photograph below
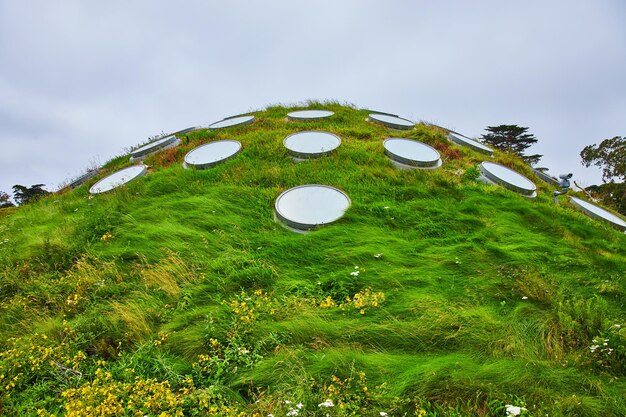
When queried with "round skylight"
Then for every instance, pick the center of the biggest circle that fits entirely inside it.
(233, 121)
(470, 143)
(187, 130)
(311, 144)
(308, 115)
(85, 177)
(304, 207)
(119, 178)
(411, 153)
(390, 121)
(212, 153)
(544, 176)
(596, 212)
(508, 178)
(157, 145)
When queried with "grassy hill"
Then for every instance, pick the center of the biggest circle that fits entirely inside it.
(179, 293)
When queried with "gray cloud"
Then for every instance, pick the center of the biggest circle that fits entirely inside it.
(80, 81)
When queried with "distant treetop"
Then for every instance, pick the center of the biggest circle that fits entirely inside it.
(513, 139)
(609, 155)
(25, 195)
(5, 200)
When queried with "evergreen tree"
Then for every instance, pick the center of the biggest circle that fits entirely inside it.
(25, 195)
(513, 139)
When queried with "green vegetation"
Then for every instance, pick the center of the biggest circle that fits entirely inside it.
(5, 201)
(513, 139)
(179, 294)
(610, 156)
(25, 195)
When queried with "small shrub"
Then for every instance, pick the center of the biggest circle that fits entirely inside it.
(471, 174)
(447, 152)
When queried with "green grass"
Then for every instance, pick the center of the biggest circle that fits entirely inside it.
(490, 298)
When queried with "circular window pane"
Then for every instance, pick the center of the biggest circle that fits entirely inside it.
(307, 206)
(233, 121)
(508, 178)
(412, 153)
(85, 177)
(470, 143)
(118, 179)
(392, 122)
(596, 212)
(212, 153)
(157, 145)
(311, 144)
(544, 176)
(308, 115)
(187, 130)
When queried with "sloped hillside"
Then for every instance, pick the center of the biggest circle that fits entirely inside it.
(434, 295)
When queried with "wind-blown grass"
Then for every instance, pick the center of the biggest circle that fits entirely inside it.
(180, 285)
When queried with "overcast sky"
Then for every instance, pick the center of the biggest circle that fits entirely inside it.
(80, 81)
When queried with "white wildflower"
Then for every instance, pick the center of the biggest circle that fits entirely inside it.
(512, 410)
(292, 412)
(356, 267)
(328, 403)
(524, 298)
(299, 406)
(354, 273)
(378, 255)
(287, 402)
(383, 414)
